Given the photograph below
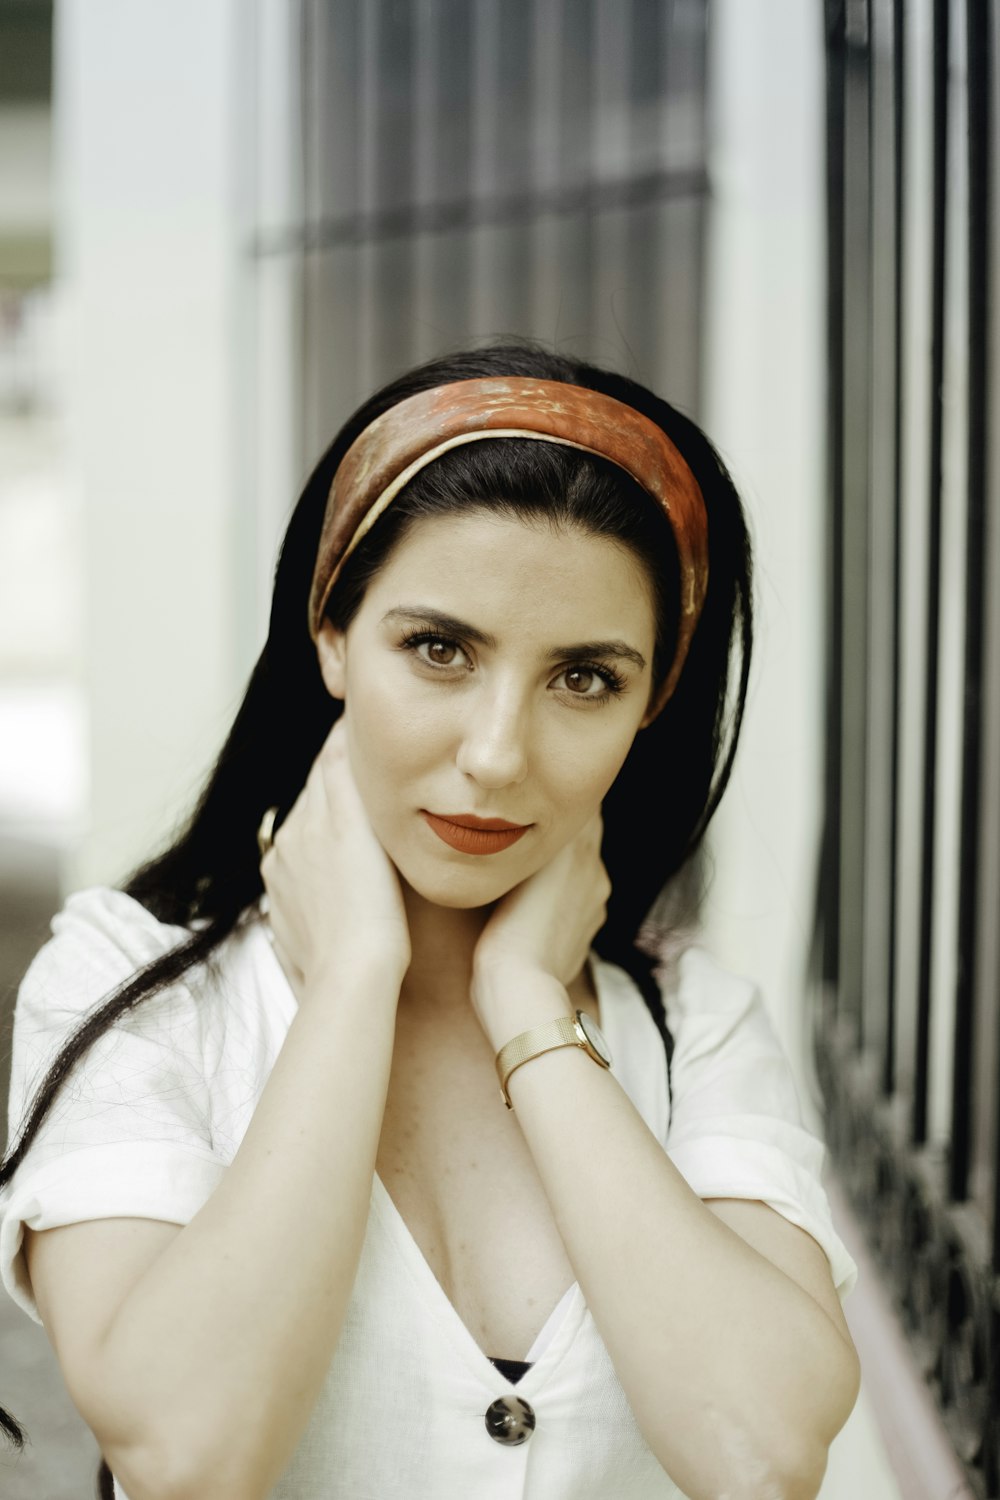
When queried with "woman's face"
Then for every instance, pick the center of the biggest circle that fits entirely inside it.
(498, 669)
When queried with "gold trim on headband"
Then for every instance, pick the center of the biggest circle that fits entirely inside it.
(414, 432)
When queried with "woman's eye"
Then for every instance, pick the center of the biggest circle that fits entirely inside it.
(587, 682)
(442, 653)
(435, 650)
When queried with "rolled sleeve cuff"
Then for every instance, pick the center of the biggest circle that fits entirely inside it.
(132, 1180)
(726, 1166)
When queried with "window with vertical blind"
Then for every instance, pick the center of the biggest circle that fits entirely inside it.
(907, 1038)
(479, 168)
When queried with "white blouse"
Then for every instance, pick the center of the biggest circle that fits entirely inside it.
(157, 1110)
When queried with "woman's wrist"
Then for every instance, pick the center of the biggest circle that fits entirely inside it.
(514, 997)
(349, 969)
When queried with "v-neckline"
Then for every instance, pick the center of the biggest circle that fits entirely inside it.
(570, 1313)
(412, 1256)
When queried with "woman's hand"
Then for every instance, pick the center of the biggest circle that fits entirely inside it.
(333, 893)
(546, 924)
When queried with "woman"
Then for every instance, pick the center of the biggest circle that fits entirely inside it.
(357, 1185)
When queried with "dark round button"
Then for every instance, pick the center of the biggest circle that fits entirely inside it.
(510, 1420)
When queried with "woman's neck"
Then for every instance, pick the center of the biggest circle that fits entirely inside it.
(443, 941)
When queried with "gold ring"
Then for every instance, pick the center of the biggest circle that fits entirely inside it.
(265, 832)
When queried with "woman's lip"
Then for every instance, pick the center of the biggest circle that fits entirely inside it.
(469, 820)
(475, 840)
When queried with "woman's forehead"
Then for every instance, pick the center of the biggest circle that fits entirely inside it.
(485, 561)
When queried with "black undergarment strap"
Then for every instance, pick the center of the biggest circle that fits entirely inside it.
(512, 1369)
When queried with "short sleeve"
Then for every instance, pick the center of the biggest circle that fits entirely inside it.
(129, 1133)
(736, 1126)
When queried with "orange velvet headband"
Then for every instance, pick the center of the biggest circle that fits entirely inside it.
(411, 434)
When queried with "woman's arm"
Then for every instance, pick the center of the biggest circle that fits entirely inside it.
(210, 1369)
(212, 1365)
(738, 1377)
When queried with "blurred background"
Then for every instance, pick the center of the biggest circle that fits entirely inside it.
(221, 225)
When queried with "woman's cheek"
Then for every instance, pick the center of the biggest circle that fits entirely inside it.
(367, 745)
(393, 760)
(589, 770)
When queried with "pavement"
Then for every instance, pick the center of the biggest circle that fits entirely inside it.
(60, 1457)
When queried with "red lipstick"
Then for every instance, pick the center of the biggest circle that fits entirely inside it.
(471, 835)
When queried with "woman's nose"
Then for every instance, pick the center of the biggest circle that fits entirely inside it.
(494, 745)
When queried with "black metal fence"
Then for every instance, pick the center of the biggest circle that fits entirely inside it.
(908, 919)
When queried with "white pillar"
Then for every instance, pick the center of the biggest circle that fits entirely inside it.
(764, 407)
(149, 214)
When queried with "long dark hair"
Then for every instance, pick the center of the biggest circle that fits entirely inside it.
(665, 794)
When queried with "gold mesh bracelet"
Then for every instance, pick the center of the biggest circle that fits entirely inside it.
(566, 1032)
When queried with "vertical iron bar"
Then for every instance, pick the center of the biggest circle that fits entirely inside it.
(828, 893)
(853, 811)
(939, 191)
(992, 455)
(963, 1078)
(876, 995)
(899, 137)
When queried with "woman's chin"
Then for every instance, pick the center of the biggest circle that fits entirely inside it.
(455, 889)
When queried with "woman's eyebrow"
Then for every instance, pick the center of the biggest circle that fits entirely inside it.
(586, 649)
(449, 625)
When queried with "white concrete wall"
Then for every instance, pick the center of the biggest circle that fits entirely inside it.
(275, 467)
(765, 408)
(148, 215)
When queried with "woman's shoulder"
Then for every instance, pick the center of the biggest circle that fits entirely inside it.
(100, 938)
(717, 1018)
(102, 918)
(103, 913)
(725, 1039)
(220, 1022)
(697, 992)
(697, 988)
(725, 1055)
